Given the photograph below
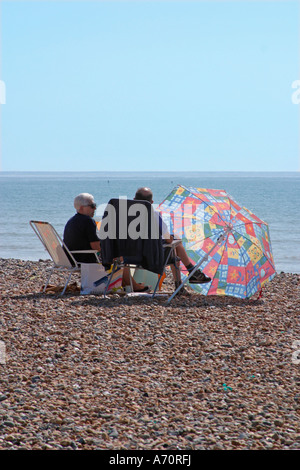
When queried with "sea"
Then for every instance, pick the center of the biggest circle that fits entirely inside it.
(274, 197)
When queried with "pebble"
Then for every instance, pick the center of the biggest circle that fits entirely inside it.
(83, 372)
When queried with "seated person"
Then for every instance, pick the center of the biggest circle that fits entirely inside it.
(198, 277)
(80, 233)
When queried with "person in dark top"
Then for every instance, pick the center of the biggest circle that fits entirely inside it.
(80, 233)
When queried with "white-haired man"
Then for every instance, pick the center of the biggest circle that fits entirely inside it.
(80, 233)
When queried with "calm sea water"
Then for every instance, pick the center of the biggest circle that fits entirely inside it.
(274, 197)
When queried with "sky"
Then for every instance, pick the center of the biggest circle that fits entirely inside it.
(150, 85)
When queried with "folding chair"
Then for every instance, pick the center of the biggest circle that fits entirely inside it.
(130, 236)
(170, 258)
(61, 256)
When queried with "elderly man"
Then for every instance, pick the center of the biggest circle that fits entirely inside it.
(80, 233)
(198, 277)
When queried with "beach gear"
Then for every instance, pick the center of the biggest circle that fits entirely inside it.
(130, 234)
(228, 241)
(94, 279)
(129, 230)
(61, 256)
(145, 277)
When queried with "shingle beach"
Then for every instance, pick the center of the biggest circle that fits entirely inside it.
(87, 373)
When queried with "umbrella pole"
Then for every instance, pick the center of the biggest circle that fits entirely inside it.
(219, 240)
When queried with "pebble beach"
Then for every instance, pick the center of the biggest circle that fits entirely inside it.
(131, 373)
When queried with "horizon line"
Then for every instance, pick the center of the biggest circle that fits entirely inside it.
(150, 171)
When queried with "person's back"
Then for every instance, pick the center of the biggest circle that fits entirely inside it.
(78, 233)
(80, 230)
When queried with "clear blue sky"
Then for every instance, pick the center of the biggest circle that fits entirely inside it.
(150, 85)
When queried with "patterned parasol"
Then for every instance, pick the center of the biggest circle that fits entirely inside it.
(228, 242)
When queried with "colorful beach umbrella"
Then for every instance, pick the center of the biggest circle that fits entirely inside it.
(228, 242)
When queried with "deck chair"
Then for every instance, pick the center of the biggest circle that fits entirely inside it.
(130, 236)
(61, 256)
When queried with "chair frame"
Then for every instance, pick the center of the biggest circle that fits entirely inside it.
(119, 263)
(63, 263)
(172, 254)
(197, 265)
